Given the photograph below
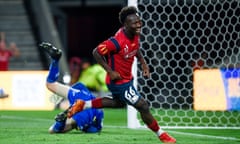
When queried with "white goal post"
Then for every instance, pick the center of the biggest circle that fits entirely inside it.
(132, 120)
(180, 38)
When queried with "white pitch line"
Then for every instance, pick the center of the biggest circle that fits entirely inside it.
(184, 133)
(24, 118)
(206, 136)
(111, 126)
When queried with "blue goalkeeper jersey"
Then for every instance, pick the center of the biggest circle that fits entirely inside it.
(79, 91)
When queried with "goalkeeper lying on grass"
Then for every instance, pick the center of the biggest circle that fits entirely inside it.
(89, 120)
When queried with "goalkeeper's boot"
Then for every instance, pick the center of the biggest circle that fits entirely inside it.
(62, 116)
(60, 123)
(76, 107)
(52, 51)
(166, 138)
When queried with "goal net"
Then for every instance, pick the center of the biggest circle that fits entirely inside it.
(192, 48)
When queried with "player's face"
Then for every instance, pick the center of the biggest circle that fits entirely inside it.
(133, 24)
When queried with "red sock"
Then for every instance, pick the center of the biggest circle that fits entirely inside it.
(97, 103)
(154, 126)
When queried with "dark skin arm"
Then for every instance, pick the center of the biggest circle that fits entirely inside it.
(145, 68)
(108, 102)
(113, 74)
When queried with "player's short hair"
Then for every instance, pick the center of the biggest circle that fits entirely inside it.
(128, 10)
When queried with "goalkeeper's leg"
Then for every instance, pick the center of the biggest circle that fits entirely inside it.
(55, 55)
(52, 84)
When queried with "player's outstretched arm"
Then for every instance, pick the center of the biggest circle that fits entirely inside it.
(145, 67)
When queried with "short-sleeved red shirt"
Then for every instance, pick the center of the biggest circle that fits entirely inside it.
(120, 52)
(4, 60)
(4, 57)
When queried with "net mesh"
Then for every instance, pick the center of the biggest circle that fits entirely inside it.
(179, 36)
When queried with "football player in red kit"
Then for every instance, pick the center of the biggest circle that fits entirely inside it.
(116, 56)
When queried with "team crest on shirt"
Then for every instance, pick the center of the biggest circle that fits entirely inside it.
(102, 49)
(126, 49)
(128, 54)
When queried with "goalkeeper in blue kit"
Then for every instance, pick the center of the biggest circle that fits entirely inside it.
(89, 120)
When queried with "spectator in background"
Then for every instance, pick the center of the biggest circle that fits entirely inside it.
(75, 68)
(6, 52)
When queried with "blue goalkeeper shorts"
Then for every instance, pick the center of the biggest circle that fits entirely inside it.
(89, 120)
(125, 92)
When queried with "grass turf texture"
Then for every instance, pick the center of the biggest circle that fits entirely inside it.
(30, 127)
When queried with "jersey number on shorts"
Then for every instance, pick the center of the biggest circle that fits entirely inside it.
(131, 95)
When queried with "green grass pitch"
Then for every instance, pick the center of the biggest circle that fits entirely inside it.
(31, 127)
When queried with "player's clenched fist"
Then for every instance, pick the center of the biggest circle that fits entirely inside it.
(115, 75)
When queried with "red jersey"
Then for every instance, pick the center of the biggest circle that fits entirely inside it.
(4, 58)
(120, 52)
